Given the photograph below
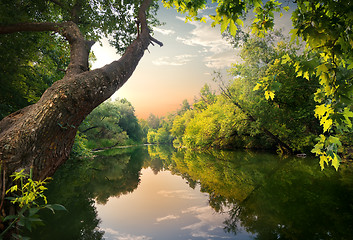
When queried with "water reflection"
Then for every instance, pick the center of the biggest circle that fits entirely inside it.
(274, 198)
(78, 183)
(261, 194)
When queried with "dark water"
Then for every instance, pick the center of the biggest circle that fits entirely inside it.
(160, 193)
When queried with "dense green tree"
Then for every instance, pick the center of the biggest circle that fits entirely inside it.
(179, 125)
(144, 129)
(128, 121)
(213, 127)
(207, 97)
(184, 106)
(160, 136)
(112, 123)
(287, 114)
(30, 63)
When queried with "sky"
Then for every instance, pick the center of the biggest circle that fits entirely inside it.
(167, 75)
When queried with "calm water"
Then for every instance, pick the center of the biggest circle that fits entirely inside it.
(160, 193)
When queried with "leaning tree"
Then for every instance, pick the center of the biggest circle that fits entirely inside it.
(40, 136)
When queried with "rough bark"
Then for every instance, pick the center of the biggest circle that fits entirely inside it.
(41, 135)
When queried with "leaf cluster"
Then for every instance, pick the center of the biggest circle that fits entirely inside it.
(27, 193)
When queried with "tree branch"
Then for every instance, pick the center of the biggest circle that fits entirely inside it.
(79, 47)
(156, 41)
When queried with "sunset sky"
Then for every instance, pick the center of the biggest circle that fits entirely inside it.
(167, 75)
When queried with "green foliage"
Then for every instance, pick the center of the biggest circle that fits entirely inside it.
(26, 196)
(96, 19)
(325, 26)
(211, 127)
(207, 97)
(240, 116)
(228, 13)
(29, 192)
(160, 136)
(111, 124)
(80, 147)
(30, 63)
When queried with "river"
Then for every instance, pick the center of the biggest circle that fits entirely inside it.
(157, 192)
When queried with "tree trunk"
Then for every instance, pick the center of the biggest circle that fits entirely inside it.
(41, 135)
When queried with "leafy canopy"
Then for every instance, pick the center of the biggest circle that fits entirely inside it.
(325, 26)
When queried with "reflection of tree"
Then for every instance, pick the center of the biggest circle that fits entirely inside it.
(78, 182)
(116, 174)
(286, 199)
(159, 157)
(270, 197)
(298, 202)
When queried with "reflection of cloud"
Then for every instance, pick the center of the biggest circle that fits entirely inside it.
(163, 31)
(183, 194)
(212, 43)
(168, 217)
(123, 236)
(208, 221)
(175, 61)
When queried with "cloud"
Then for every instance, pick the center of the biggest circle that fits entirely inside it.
(164, 31)
(173, 61)
(124, 236)
(207, 222)
(218, 53)
(222, 60)
(183, 194)
(168, 217)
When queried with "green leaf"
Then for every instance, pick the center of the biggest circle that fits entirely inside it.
(327, 124)
(257, 87)
(286, 58)
(336, 161)
(10, 217)
(269, 94)
(306, 75)
(33, 211)
(294, 35)
(55, 207)
(203, 19)
(323, 160)
(334, 140)
(322, 110)
(239, 22)
(350, 66)
(232, 28)
(224, 24)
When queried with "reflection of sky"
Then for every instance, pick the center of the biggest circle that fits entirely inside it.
(162, 207)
